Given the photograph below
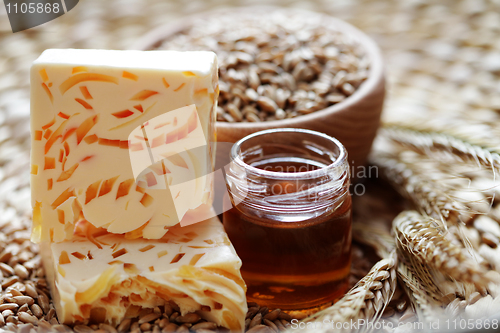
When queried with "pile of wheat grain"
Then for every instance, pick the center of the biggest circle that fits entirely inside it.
(276, 64)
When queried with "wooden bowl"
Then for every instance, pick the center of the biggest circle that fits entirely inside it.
(354, 121)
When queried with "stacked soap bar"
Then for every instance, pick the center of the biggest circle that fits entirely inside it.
(87, 107)
(122, 152)
(195, 266)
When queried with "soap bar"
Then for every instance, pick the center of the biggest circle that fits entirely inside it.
(85, 107)
(107, 277)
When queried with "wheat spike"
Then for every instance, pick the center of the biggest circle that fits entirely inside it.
(428, 277)
(426, 306)
(427, 141)
(420, 237)
(418, 283)
(382, 241)
(452, 151)
(416, 183)
(365, 302)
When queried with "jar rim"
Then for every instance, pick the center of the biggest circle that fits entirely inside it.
(340, 160)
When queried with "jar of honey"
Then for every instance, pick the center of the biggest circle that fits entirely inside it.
(290, 217)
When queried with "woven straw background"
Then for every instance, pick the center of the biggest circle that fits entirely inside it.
(442, 60)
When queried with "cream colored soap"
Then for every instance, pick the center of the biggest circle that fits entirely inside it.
(86, 106)
(106, 276)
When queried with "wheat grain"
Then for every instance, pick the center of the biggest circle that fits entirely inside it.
(366, 301)
(421, 237)
(258, 315)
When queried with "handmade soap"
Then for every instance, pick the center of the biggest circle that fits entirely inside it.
(107, 277)
(96, 156)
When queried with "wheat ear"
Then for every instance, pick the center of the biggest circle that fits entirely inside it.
(365, 302)
(421, 237)
(428, 195)
(427, 141)
(425, 305)
(427, 295)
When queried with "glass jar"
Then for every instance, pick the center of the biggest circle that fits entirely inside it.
(290, 217)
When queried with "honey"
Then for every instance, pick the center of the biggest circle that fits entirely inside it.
(290, 220)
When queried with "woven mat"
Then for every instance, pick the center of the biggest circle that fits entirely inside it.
(442, 57)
